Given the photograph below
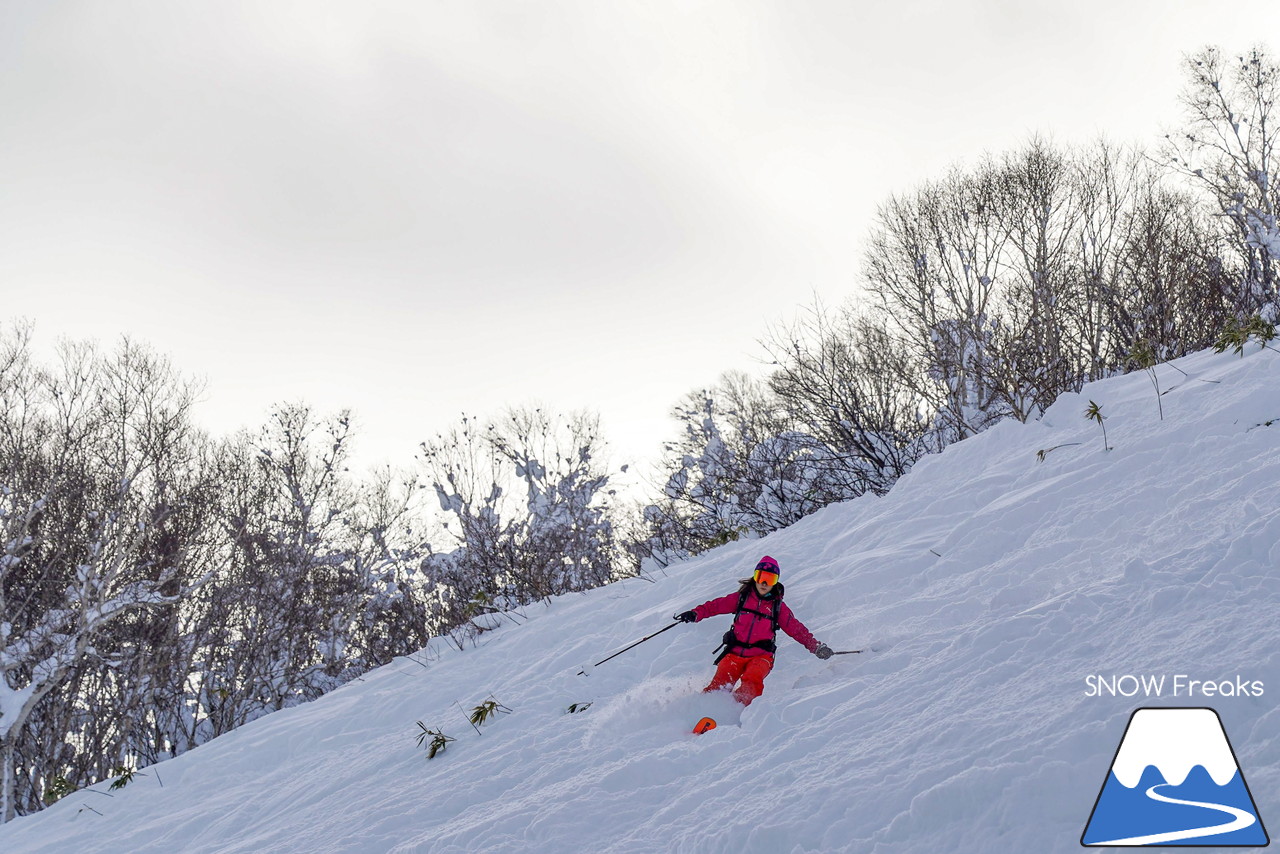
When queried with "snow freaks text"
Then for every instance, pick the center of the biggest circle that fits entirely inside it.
(1178, 685)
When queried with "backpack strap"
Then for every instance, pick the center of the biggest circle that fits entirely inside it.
(730, 640)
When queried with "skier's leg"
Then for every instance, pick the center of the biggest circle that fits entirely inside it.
(727, 672)
(754, 672)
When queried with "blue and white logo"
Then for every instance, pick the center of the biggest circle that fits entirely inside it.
(1175, 781)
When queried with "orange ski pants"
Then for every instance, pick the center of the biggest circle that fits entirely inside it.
(750, 670)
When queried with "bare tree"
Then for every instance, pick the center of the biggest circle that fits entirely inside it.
(1228, 149)
(712, 482)
(1023, 278)
(398, 604)
(845, 381)
(529, 508)
(933, 268)
(1172, 291)
(300, 589)
(82, 507)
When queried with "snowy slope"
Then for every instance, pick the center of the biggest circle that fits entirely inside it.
(992, 583)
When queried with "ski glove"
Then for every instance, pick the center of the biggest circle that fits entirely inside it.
(823, 651)
(687, 617)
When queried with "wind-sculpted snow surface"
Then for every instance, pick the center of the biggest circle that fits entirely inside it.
(991, 582)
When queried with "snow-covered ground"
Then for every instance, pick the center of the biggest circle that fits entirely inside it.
(992, 584)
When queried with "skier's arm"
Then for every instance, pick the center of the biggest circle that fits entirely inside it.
(788, 623)
(714, 607)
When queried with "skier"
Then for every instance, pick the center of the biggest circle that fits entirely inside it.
(749, 645)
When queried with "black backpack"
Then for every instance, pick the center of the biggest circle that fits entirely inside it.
(730, 641)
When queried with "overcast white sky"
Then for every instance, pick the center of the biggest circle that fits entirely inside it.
(415, 209)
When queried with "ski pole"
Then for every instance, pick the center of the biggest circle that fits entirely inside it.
(848, 652)
(583, 672)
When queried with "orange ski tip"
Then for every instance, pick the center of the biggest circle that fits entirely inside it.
(703, 725)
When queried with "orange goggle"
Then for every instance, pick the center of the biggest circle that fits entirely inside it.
(766, 576)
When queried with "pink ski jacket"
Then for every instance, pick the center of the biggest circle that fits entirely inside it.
(752, 627)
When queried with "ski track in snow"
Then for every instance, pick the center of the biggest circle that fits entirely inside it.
(1239, 821)
(990, 583)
